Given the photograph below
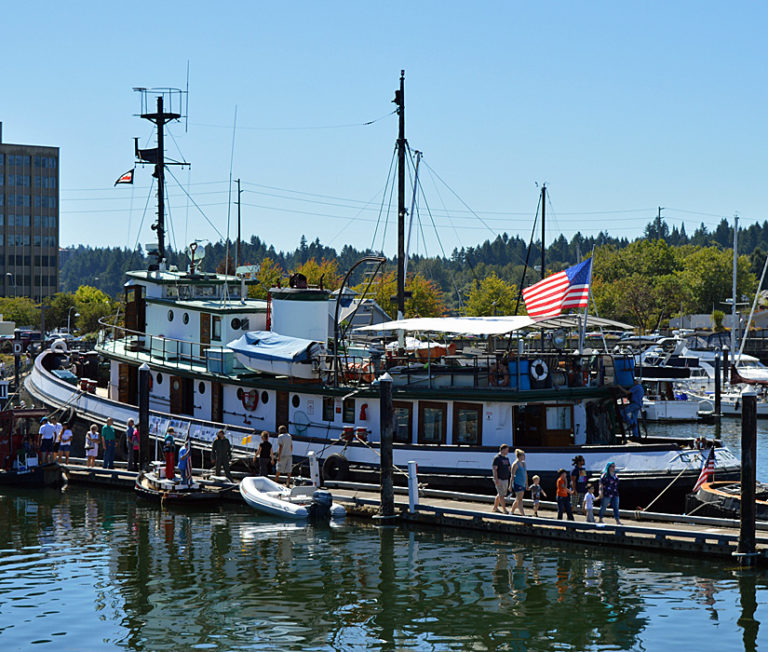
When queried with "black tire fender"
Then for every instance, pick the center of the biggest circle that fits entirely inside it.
(335, 467)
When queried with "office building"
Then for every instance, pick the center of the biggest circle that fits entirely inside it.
(29, 220)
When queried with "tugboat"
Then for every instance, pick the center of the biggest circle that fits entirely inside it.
(221, 360)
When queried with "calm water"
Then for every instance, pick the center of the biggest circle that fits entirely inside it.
(93, 569)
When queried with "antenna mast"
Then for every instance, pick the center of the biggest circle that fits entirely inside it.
(156, 155)
(401, 145)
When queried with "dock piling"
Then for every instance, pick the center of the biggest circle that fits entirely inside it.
(717, 388)
(314, 469)
(386, 412)
(746, 548)
(413, 486)
(144, 416)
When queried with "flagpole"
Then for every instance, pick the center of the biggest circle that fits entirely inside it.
(583, 334)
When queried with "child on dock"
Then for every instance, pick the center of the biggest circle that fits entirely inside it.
(563, 495)
(536, 494)
(588, 505)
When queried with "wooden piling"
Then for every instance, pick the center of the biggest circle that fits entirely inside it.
(144, 416)
(746, 546)
(717, 387)
(386, 412)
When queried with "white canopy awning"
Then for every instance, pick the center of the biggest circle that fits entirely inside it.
(487, 325)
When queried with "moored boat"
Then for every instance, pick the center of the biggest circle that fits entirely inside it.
(722, 499)
(18, 457)
(153, 485)
(299, 502)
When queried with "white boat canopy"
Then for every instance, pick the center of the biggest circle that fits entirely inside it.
(488, 325)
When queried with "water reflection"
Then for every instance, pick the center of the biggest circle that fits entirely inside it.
(85, 569)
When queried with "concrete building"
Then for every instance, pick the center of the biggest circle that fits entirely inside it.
(29, 220)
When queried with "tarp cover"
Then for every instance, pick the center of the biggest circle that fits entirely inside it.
(266, 345)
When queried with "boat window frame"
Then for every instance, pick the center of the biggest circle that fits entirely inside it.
(347, 412)
(402, 405)
(329, 407)
(433, 405)
(216, 328)
(478, 409)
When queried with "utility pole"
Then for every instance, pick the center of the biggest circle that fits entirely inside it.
(658, 223)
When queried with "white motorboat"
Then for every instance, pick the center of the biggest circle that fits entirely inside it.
(300, 502)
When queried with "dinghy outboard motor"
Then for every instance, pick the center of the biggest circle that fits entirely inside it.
(320, 507)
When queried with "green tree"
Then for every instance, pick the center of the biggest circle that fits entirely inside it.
(492, 296)
(58, 308)
(270, 275)
(93, 305)
(21, 310)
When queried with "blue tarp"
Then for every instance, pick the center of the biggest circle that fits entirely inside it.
(266, 345)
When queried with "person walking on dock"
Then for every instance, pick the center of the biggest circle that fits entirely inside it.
(588, 506)
(221, 451)
(284, 454)
(45, 440)
(632, 411)
(578, 482)
(519, 481)
(108, 438)
(563, 496)
(502, 473)
(609, 492)
(132, 445)
(536, 493)
(169, 449)
(92, 439)
(264, 455)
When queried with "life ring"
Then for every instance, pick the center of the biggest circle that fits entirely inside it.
(538, 370)
(498, 375)
(366, 374)
(335, 467)
(249, 399)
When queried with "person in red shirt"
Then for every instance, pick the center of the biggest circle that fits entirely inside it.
(563, 495)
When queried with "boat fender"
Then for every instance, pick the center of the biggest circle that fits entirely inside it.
(335, 467)
(364, 412)
(59, 346)
(498, 375)
(539, 370)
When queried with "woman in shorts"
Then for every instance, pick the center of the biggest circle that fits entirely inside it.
(92, 439)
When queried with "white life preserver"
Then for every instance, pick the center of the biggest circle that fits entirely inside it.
(539, 370)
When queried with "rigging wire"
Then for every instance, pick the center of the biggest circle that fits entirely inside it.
(527, 258)
(138, 233)
(311, 128)
(229, 204)
(194, 203)
(383, 198)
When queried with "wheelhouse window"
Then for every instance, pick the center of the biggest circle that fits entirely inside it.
(559, 417)
(403, 421)
(216, 328)
(432, 422)
(328, 408)
(348, 411)
(467, 424)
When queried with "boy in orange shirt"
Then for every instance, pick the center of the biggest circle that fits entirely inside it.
(563, 495)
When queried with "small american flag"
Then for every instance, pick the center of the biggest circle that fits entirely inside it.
(567, 289)
(707, 470)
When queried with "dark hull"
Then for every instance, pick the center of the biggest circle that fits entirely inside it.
(47, 475)
(179, 497)
(712, 500)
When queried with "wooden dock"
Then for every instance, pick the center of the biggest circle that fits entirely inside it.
(657, 532)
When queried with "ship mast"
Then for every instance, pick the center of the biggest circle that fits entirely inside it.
(401, 145)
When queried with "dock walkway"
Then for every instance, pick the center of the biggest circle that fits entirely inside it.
(658, 532)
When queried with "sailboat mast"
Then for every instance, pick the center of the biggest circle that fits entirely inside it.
(543, 231)
(734, 323)
(160, 174)
(401, 144)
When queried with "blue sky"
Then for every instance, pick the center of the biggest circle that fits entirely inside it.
(618, 107)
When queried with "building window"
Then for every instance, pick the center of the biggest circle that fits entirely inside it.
(432, 422)
(467, 424)
(329, 404)
(216, 329)
(403, 421)
(348, 410)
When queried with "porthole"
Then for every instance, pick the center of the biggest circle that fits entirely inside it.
(185, 318)
(159, 379)
(264, 398)
(235, 323)
(170, 315)
(296, 401)
(201, 388)
(175, 385)
(240, 394)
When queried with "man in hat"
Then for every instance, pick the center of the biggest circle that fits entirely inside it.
(45, 440)
(221, 452)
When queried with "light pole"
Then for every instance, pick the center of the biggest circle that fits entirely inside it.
(69, 314)
(13, 280)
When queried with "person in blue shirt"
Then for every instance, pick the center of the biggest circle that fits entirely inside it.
(631, 411)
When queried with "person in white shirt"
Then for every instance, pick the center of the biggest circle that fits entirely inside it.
(588, 505)
(66, 444)
(57, 438)
(284, 454)
(45, 440)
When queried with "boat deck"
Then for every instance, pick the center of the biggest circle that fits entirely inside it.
(713, 538)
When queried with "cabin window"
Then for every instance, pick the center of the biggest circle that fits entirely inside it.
(348, 410)
(467, 424)
(216, 328)
(201, 388)
(558, 417)
(185, 318)
(264, 398)
(403, 413)
(159, 379)
(170, 315)
(205, 291)
(295, 401)
(235, 323)
(432, 422)
(328, 405)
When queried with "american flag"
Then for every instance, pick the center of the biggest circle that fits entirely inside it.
(567, 289)
(707, 470)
